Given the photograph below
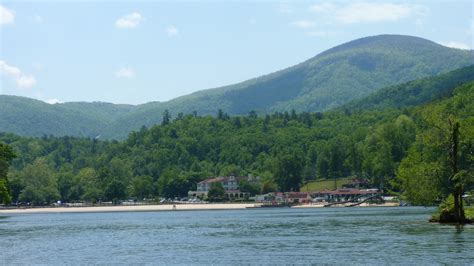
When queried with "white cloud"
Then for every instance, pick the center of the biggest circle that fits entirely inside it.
(304, 24)
(26, 81)
(172, 31)
(22, 80)
(53, 101)
(365, 12)
(129, 21)
(457, 45)
(7, 16)
(125, 72)
(9, 70)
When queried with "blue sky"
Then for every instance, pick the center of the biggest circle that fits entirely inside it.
(140, 51)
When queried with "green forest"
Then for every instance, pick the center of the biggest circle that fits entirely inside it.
(329, 80)
(403, 151)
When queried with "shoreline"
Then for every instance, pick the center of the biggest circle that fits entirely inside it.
(167, 207)
(363, 205)
(135, 208)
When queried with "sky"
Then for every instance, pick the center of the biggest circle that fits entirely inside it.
(140, 51)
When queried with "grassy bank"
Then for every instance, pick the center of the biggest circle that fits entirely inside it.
(326, 184)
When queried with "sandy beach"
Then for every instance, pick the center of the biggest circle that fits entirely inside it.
(167, 207)
(140, 208)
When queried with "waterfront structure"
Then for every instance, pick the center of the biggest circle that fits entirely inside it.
(229, 183)
(270, 198)
(297, 197)
(346, 194)
(284, 197)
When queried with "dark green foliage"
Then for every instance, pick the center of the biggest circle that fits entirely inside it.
(115, 190)
(28, 117)
(173, 184)
(249, 187)
(141, 187)
(166, 118)
(5, 197)
(328, 80)
(216, 192)
(168, 160)
(288, 172)
(40, 185)
(284, 149)
(6, 155)
(414, 93)
(441, 160)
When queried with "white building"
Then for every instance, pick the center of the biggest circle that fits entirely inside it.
(230, 184)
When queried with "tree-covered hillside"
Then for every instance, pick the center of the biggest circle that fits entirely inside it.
(413, 93)
(347, 72)
(29, 117)
(334, 77)
(168, 160)
(341, 74)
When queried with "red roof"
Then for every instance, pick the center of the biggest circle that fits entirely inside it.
(349, 191)
(297, 195)
(221, 179)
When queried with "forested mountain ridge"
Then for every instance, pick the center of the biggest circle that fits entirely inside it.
(335, 77)
(285, 149)
(30, 117)
(414, 92)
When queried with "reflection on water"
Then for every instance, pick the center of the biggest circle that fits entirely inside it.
(284, 236)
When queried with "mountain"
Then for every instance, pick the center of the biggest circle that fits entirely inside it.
(331, 79)
(394, 149)
(29, 117)
(413, 93)
(334, 77)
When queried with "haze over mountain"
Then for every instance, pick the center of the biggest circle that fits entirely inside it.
(331, 79)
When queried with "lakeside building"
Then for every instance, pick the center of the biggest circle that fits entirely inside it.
(345, 194)
(297, 197)
(229, 183)
(269, 198)
(284, 197)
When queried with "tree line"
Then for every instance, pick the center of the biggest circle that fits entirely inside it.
(401, 151)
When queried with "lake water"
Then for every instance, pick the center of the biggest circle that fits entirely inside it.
(261, 236)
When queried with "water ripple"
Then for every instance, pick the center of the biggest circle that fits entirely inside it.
(267, 236)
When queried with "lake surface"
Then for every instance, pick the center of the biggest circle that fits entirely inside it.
(262, 236)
